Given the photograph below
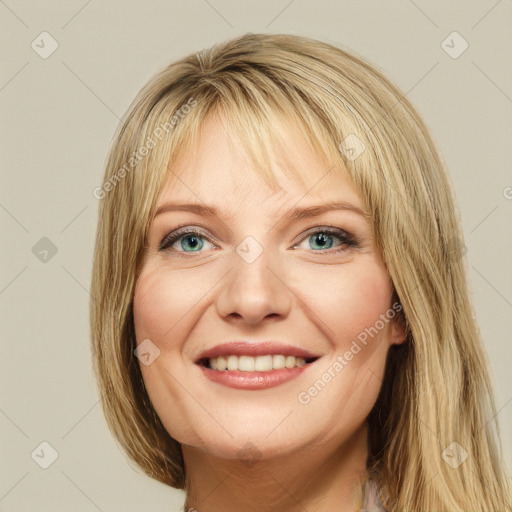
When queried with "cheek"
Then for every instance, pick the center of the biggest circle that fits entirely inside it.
(162, 301)
(354, 318)
(165, 307)
(345, 303)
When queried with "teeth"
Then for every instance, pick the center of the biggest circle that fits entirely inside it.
(263, 363)
(246, 363)
(290, 362)
(232, 363)
(258, 364)
(222, 364)
(278, 362)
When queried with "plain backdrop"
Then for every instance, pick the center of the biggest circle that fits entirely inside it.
(59, 112)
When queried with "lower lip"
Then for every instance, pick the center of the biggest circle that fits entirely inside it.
(253, 380)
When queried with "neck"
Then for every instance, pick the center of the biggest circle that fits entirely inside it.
(314, 478)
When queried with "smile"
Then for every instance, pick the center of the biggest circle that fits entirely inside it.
(254, 366)
(264, 363)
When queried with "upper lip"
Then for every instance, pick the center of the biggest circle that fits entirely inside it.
(251, 348)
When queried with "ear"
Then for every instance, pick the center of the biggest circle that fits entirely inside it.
(398, 330)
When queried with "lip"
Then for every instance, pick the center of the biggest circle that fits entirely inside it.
(244, 348)
(253, 380)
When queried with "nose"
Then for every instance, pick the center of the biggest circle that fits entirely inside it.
(254, 292)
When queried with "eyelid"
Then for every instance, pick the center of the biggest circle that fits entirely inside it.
(331, 230)
(348, 240)
(183, 230)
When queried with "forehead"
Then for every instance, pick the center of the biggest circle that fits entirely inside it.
(218, 168)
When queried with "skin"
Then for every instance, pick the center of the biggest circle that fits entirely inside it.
(264, 450)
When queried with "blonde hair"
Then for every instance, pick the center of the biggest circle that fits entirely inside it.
(436, 389)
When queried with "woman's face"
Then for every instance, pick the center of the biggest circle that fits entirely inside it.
(271, 322)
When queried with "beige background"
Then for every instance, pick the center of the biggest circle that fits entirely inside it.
(58, 118)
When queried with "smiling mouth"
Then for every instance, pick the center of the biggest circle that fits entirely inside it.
(262, 363)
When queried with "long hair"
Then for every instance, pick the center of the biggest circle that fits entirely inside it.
(433, 437)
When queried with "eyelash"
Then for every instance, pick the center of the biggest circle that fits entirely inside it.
(346, 239)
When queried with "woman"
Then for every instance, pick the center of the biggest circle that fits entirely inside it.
(280, 316)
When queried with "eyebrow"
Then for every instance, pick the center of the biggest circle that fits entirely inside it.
(294, 214)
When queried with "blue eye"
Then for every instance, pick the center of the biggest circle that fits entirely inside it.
(195, 243)
(323, 239)
(188, 240)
